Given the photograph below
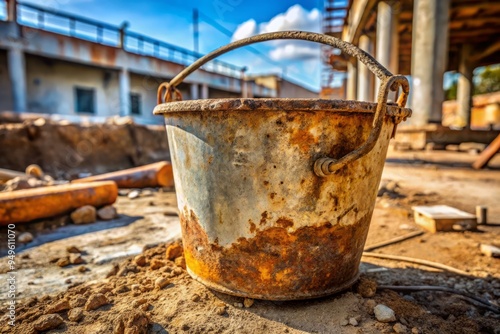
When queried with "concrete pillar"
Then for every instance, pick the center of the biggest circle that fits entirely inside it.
(365, 76)
(124, 86)
(195, 90)
(17, 75)
(387, 52)
(352, 80)
(465, 86)
(429, 59)
(204, 91)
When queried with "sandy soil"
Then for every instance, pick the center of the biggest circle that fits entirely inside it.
(149, 293)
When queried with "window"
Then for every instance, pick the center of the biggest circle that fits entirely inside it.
(85, 100)
(135, 104)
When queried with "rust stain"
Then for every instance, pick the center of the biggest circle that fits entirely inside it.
(284, 222)
(276, 264)
(253, 228)
(272, 195)
(263, 218)
(303, 139)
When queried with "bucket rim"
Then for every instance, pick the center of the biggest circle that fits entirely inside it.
(278, 105)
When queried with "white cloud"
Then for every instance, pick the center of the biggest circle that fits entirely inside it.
(293, 51)
(295, 18)
(244, 30)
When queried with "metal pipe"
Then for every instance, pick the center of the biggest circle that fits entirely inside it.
(154, 175)
(26, 205)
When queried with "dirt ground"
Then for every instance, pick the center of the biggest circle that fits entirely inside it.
(128, 285)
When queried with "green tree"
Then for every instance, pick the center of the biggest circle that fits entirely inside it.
(488, 80)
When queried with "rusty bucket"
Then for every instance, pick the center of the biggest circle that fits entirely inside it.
(276, 195)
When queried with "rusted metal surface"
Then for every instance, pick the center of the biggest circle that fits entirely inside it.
(153, 175)
(27, 205)
(258, 219)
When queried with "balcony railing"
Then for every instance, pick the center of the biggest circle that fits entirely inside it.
(99, 32)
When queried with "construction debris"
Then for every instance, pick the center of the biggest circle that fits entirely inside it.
(154, 175)
(30, 204)
(443, 218)
(384, 313)
(107, 212)
(84, 215)
(490, 250)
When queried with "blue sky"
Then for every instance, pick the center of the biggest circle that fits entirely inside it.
(171, 21)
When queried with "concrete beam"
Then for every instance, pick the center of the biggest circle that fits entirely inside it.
(124, 84)
(17, 75)
(429, 58)
(387, 52)
(365, 76)
(465, 86)
(352, 81)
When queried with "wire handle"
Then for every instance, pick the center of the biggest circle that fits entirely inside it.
(388, 82)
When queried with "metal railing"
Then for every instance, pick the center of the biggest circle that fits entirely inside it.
(99, 32)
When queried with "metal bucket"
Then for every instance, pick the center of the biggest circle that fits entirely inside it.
(276, 195)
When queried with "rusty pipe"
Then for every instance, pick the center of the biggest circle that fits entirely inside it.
(26, 205)
(153, 175)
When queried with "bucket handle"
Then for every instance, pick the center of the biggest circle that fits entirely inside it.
(388, 82)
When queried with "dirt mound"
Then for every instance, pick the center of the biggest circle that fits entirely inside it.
(152, 294)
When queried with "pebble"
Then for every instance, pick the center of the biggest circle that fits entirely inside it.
(367, 287)
(63, 262)
(239, 305)
(400, 328)
(139, 302)
(95, 301)
(415, 330)
(77, 302)
(73, 249)
(140, 260)
(82, 269)
(75, 314)
(344, 322)
(384, 313)
(196, 297)
(488, 250)
(156, 264)
(180, 262)
(84, 215)
(161, 282)
(370, 305)
(25, 237)
(47, 322)
(248, 302)
(61, 305)
(134, 194)
(107, 212)
(353, 321)
(173, 251)
(75, 258)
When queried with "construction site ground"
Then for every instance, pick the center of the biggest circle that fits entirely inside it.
(134, 296)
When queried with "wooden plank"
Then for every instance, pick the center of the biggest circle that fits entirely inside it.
(442, 218)
(487, 154)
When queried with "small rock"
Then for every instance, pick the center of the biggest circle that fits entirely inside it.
(180, 262)
(220, 310)
(238, 305)
(488, 250)
(77, 302)
(353, 321)
(344, 322)
(95, 301)
(134, 194)
(400, 328)
(248, 302)
(75, 258)
(140, 260)
(63, 262)
(139, 302)
(107, 212)
(82, 269)
(370, 305)
(367, 287)
(196, 297)
(415, 330)
(133, 322)
(57, 307)
(384, 313)
(25, 237)
(47, 322)
(161, 282)
(75, 314)
(73, 250)
(113, 271)
(68, 281)
(156, 264)
(54, 259)
(173, 251)
(84, 215)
